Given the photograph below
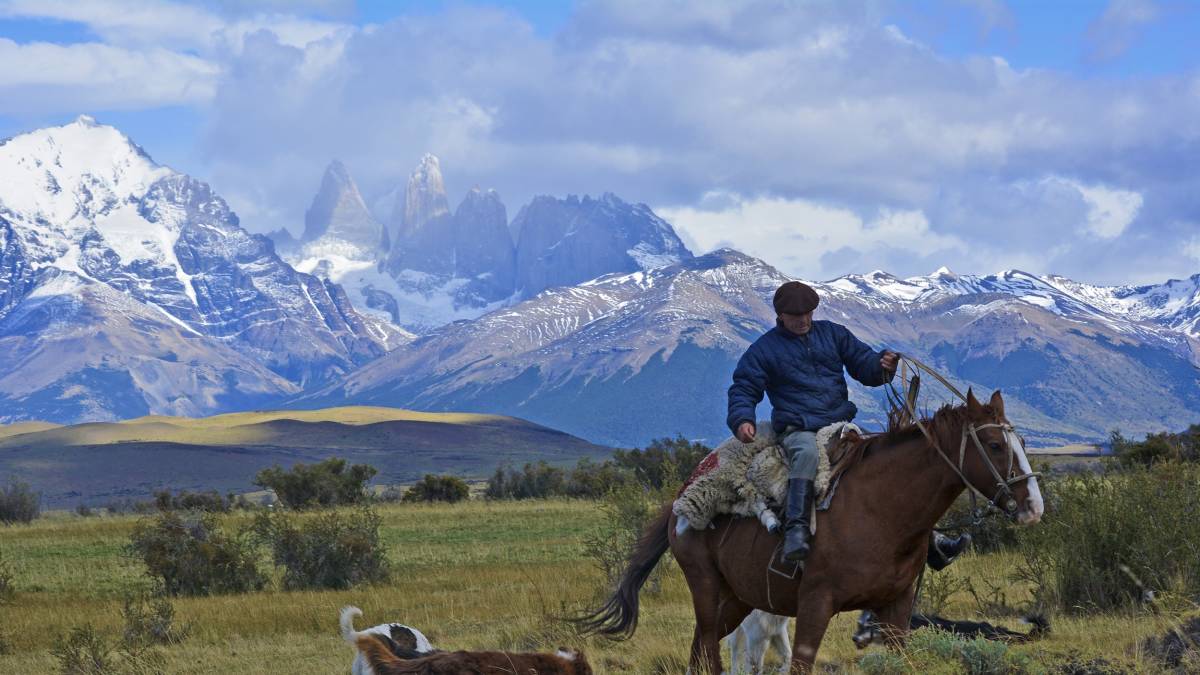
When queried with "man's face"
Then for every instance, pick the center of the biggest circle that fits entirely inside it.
(797, 323)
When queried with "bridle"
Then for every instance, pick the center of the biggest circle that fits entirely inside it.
(1003, 500)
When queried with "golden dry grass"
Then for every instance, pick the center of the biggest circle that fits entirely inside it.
(474, 575)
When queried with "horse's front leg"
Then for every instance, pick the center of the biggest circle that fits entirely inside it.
(814, 609)
(894, 619)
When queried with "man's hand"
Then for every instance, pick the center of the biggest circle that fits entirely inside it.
(889, 361)
(745, 432)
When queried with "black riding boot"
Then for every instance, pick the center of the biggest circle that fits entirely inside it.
(943, 550)
(796, 524)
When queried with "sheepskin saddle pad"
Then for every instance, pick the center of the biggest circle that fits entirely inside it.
(750, 479)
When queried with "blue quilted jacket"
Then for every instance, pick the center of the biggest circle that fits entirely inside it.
(802, 376)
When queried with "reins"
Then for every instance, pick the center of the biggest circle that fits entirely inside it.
(906, 399)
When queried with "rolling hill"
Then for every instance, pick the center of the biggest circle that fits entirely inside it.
(94, 463)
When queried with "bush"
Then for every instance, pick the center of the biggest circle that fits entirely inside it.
(84, 511)
(433, 488)
(326, 551)
(1162, 447)
(591, 480)
(328, 483)
(19, 504)
(86, 652)
(993, 533)
(7, 591)
(930, 651)
(150, 620)
(1117, 540)
(665, 461)
(128, 505)
(533, 481)
(192, 556)
(211, 501)
(627, 510)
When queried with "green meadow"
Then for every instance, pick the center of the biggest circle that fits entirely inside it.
(474, 575)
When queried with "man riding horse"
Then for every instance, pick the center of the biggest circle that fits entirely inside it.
(798, 364)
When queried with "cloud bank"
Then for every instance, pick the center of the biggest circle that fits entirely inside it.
(817, 136)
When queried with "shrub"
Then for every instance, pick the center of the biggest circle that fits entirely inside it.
(150, 620)
(627, 510)
(433, 488)
(994, 532)
(7, 591)
(211, 501)
(84, 511)
(328, 483)
(86, 652)
(191, 555)
(19, 504)
(129, 505)
(1115, 540)
(591, 480)
(1162, 447)
(533, 481)
(331, 550)
(665, 461)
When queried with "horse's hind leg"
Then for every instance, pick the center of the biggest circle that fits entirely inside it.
(894, 619)
(718, 613)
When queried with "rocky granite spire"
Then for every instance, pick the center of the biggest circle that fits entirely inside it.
(567, 241)
(338, 212)
(424, 236)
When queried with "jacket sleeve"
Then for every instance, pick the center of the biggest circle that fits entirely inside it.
(749, 383)
(861, 361)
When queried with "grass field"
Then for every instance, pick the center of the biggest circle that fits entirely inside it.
(472, 575)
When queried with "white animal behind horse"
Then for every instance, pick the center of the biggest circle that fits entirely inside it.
(749, 643)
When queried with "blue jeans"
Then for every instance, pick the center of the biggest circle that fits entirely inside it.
(801, 449)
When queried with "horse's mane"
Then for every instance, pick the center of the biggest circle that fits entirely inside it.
(902, 428)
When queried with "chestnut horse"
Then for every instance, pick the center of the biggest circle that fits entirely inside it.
(870, 544)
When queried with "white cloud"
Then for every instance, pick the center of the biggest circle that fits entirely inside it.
(800, 235)
(1191, 249)
(43, 77)
(1109, 210)
(1121, 24)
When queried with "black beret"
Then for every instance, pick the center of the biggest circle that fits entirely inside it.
(795, 298)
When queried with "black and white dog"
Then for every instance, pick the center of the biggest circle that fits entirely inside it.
(403, 641)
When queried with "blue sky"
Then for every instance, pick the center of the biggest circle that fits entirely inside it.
(827, 138)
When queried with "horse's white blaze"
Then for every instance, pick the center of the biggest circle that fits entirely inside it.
(1031, 511)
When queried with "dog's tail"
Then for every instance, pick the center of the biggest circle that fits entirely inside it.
(347, 623)
(381, 659)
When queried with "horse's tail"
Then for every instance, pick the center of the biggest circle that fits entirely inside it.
(618, 616)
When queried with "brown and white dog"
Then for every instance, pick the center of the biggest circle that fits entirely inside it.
(400, 639)
(382, 656)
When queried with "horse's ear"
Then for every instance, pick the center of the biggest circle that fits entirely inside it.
(974, 407)
(997, 403)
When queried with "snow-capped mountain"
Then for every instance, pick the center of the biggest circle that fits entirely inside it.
(561, 242)
(625, 358)
(102, 248)
(444, 266)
